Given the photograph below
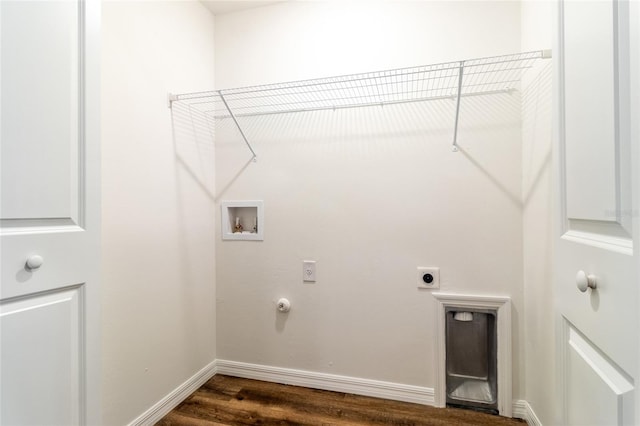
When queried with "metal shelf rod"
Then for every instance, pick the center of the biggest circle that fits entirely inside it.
(360, 105)
(237, 125)
(454, 148)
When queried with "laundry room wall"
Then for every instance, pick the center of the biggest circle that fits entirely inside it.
(158, 274)
(539, 323)
(370, 194)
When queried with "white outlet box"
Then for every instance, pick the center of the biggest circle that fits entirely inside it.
(428, 277)
(309, 271)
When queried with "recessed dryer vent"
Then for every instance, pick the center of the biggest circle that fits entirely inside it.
(474, 352)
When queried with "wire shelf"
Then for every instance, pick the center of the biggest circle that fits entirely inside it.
(451, 80)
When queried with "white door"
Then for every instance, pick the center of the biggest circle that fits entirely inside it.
(598, 208)
(49, 195)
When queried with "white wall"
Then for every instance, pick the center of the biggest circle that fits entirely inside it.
(369, 194)
(158, 207)
(537, 33)
(307, 39)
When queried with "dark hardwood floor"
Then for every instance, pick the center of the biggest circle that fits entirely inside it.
(225, 400)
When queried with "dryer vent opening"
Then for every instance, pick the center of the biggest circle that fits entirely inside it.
(471, 359)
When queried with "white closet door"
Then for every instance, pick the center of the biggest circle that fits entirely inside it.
(598, 327)
(49, 212)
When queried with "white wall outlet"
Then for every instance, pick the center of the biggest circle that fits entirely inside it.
(309, 271)
(428, 277)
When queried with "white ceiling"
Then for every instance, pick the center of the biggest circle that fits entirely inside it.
(219, 7)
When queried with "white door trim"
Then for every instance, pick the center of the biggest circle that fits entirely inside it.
(91, 210)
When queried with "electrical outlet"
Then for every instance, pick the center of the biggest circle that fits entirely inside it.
(309, 271)
(428, 277)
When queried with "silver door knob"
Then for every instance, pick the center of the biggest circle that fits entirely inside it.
(34, 262)
(584, 281)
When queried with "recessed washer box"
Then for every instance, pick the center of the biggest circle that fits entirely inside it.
(249, 215)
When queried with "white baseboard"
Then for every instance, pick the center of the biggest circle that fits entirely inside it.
(179, 394)
(331, 382)
(522, 410)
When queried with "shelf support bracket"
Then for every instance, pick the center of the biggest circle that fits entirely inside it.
(171, 98)
(454, 148)
(244, 137)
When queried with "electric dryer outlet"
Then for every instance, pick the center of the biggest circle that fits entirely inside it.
(428, 277)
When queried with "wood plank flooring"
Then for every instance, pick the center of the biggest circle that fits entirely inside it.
(225, 400)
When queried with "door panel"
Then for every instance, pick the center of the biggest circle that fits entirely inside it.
(589, 67)
(598, 391)
(49, 154)
(40, 84)
(595, 232)
(597, 173)
(41, 343)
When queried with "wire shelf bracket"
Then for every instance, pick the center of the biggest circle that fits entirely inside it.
(450, 80)
(454, 147)
(235, 120)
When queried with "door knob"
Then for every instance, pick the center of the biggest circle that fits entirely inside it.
(34, 262)
(584, 281)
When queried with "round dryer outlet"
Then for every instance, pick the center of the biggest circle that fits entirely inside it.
(428, 277)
